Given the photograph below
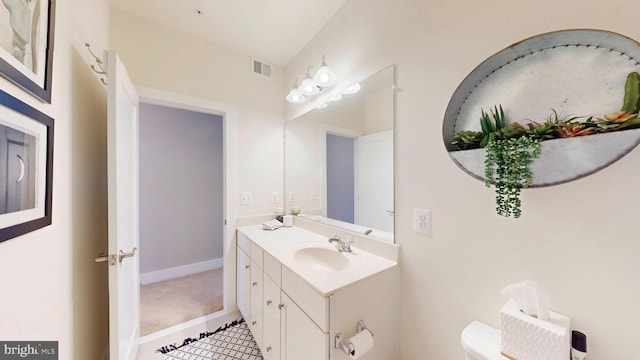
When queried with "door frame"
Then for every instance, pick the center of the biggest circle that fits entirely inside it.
(228, 112)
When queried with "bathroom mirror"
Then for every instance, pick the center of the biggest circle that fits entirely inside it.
(339, 160)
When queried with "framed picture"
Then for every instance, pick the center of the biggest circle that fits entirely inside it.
(26, 44)
(26, 168)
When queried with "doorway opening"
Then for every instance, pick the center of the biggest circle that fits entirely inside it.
(186, 163)
(358, 186)
(181, 216)
(340, 167)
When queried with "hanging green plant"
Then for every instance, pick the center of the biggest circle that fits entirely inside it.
(494, 125)
(510, 149)
(507, 168)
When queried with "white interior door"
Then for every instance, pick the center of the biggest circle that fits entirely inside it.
(122, 150)
(374, 181)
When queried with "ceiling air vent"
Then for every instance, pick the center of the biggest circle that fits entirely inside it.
(260, 68)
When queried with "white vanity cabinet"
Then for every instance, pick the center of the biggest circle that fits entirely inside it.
(272, 308)
(288, 332)
(243, 272)
(302, 338)
(250, 285)
(255, 294)
(255, 319)
(279, 326)
(291, 319)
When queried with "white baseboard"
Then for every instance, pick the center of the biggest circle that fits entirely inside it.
(178, 271)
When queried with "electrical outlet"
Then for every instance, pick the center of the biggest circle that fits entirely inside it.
(274, 197)
(245, 198)
(313, 195)
(292, 196)
(422, 221)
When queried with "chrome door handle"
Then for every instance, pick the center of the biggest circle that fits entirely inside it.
(268, 302)
(124, 255)
(390, 212)
(114, 259)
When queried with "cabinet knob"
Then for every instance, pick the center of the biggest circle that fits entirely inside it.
(254, 322)
(247, 266)
(255, 283)
(280, 306)
(268, 348)
(268, 302)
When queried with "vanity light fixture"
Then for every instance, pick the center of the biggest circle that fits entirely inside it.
(311, 85)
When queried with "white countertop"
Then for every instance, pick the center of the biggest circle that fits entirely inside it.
(283, 242)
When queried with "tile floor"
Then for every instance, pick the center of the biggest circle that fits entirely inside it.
(233, 343)
(150, 343)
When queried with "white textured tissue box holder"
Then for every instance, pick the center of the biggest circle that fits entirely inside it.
(524, 337)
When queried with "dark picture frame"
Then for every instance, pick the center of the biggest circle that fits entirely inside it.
(26, 50)
(26, 168)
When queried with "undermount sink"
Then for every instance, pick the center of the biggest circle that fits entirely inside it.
(323, 258)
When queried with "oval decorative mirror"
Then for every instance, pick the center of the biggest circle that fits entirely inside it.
(339, 160)
(558, 87)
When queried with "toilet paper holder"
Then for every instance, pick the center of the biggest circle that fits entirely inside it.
(345, 346)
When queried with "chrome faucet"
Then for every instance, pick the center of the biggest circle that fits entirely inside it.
(342, 246)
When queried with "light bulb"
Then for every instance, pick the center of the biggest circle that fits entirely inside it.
(324, 76)
(352, 89)
(336, 98)
(308, 87)
(295, 97)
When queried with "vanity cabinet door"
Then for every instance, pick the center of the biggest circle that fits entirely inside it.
(271, 319)
(301, 337)
(255, 320)
(243, 283)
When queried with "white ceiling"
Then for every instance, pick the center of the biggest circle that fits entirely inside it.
(271, 30)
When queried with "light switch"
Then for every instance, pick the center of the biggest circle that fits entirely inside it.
(245, 198)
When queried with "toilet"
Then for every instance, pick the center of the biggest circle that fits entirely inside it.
(481, 342)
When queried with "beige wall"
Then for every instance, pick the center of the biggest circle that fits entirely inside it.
(577, 240)
(51, 288)
(158, 57)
